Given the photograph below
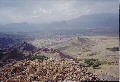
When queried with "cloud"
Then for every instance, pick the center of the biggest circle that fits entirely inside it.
(46, 11)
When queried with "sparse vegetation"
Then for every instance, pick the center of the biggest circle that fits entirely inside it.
(38, 57)
(113, 49)
(92, 63)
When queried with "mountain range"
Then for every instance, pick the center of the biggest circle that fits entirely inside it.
(103, 23)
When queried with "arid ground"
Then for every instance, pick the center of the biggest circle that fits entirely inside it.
(105, 49)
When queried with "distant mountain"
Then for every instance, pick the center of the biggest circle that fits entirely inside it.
(97, 20)
(103, 23)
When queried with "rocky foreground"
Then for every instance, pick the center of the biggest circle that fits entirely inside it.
(51, 70)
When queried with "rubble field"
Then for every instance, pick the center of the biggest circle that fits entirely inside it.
(51, 70)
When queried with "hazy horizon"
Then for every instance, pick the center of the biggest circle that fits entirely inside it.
(45, 15)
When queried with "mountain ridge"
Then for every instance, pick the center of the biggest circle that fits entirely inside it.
(96, 22)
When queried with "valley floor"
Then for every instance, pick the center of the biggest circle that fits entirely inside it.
(103, 48)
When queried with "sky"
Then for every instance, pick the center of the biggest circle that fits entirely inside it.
(47, 11)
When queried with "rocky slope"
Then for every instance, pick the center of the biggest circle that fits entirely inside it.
(52, 70)
(17, 52)
(7, 40)
(25, 50)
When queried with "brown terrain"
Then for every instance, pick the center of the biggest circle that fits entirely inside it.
(103, 48)
(48, 70)
(61, 59)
